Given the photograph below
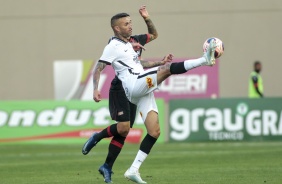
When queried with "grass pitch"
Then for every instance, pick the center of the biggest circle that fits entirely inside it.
(193, 163)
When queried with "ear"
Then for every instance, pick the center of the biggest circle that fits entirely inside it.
(116, 28)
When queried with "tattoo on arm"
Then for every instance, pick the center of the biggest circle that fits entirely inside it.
(151, 29)
(96, 74)
(150, 64)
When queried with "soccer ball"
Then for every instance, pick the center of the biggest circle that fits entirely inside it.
(219, 47)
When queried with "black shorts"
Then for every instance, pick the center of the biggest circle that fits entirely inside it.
(121, 109)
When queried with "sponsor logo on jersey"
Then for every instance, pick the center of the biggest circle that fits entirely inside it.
(149, 81)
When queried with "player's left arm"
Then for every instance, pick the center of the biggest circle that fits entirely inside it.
(149, 64)
(153, 34)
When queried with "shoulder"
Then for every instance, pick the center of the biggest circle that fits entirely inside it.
(253, 74)
(112, 45)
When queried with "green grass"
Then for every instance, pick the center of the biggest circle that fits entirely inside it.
(193, 163)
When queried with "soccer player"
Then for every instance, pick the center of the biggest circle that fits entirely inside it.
(139, 84)
(121, 110)
(255, 82)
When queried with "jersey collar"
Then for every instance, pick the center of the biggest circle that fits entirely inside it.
(118, 39)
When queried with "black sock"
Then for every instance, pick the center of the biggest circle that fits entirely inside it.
(177, 68)
(107, 132)
(114, 150)
(147, 144)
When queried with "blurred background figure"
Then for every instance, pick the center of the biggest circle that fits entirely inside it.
(255, 82)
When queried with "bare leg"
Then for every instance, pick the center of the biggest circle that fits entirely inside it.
(153, 129)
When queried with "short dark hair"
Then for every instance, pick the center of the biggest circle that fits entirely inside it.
(257, 63)
(118, 16)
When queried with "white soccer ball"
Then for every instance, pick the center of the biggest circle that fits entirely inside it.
(219, 47)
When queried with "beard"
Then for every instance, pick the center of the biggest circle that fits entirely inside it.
(257, 70)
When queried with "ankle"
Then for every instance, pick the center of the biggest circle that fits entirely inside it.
(133, 169)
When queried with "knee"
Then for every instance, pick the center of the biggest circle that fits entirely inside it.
(123, 128)
(155, 132)
(167, 71)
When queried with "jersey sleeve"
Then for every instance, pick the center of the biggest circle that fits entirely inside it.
(255, 81)
(109, 55)
(143, 38)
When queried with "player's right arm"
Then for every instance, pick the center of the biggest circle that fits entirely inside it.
(255, 82)
(100, 66)
(107, 58)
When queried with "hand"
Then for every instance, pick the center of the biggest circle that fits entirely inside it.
(143, 12)
(96, 96)
(136, 46)
(167, 58)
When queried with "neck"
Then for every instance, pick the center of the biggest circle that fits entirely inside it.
(121, 37)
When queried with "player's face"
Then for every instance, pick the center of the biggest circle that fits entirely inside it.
(125, 27)
(258, 68)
